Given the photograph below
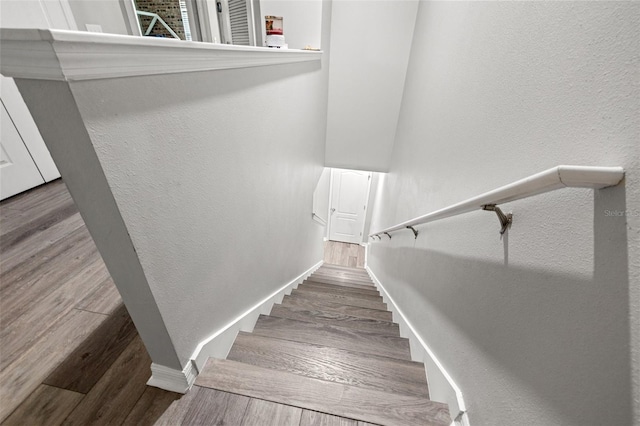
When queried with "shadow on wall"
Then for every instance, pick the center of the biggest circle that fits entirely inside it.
(564, 337)
(171, 90)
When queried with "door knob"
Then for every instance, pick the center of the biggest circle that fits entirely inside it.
(333, 210)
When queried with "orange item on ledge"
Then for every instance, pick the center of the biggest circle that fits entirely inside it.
(273, 25)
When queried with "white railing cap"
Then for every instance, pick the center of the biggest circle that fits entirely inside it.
(78, 55)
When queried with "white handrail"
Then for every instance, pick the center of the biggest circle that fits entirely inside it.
(546, 181)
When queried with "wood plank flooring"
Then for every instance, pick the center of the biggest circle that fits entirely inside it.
(82, 369)
(46, 405)
(70, 355)
(65, 337)
(343, 254)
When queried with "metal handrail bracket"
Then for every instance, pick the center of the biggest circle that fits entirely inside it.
(505, 219)
(415, 231)
(549, 180)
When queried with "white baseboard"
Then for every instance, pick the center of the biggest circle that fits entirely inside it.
(172, 380)
(219, 343)
(442, 388)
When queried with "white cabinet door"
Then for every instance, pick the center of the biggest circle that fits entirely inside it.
(349, 195)
(18, 171)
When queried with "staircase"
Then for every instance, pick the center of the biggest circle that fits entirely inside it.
(328, 354)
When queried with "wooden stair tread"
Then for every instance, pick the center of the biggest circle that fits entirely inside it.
(328, 397)
(308, 302)
(334, 336)
(335, 318)
(339, 298)
(332, 364)
(344, 276)
(362, 279)
(345, 285)
(330, 288)
(334, 267)
(316, 418)
(342, 283)
(342, 280)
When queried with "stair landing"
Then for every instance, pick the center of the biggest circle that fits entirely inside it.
(328, 354)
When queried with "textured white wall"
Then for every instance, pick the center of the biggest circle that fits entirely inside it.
(109, 14)
(213, 174)
(48, 14)
(23, 14)
(535, 328)
(370, 49)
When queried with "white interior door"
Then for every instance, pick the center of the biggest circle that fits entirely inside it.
(25, 161)
(349, 195)
(18, 171)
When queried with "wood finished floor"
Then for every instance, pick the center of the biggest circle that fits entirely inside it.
(343, 254)
(67, 344)
(70, 355)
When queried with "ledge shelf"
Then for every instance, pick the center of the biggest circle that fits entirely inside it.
(76, 55)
